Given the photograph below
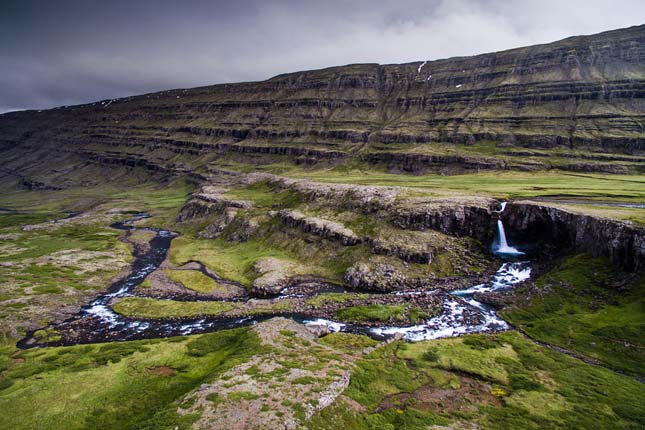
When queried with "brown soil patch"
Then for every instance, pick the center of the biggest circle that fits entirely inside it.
(18, 360)
(162, 371)
(468, 396)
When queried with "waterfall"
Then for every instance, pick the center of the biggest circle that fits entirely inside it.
(502, 244)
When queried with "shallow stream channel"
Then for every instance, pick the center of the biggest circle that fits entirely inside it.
(461, 313)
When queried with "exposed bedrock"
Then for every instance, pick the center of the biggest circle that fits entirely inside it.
(320, 227)
(410, 251)
(379, 277)
(622, 242)
(275, 276)
(416, 163)
(208, 201)
(218, 226)
(473, 219)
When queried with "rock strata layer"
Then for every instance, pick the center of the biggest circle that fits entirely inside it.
(622, 242)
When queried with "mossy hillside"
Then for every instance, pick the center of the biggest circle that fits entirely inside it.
(348, 341)
(19, 219)
(298, 373)
(46, 270)
(142, 307)
(37, 243)
(194, 280)
(585, 306)
(235, 260)
(230, 260)
(323, 299)
(383, 313)
(116, 385)
(308, 255)
(537, 388)
(266, 196)
(497, 184)
(163, 201)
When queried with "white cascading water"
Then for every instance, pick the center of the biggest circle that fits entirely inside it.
(502, 244)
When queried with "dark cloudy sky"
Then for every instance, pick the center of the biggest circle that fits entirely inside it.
(60, 52)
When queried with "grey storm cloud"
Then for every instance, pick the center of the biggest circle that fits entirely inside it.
(74, 51)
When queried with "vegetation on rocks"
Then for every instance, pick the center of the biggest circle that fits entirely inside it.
(382, 313)
(141, 307)
(129, 385)
(586, 306)
(194, 280)
(493, 381)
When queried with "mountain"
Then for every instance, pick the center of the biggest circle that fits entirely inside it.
(576, 104)
(250, 256)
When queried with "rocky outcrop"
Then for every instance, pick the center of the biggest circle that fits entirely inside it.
(217, 227)
(470, 216)
(410, 252)
(320, 227)
(453, 217)
(411, 246)
(209, 201)
(366, 199)
(597, 167)
(622, 242)
(274, 276)
(379, 277)
(242, 229)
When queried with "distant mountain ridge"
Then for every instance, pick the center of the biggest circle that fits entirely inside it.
(584, 93)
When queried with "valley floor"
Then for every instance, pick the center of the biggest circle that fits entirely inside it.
(241, 239)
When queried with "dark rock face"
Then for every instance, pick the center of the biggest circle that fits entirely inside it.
(204, 204)
(457, 220)
(418, 163)
(242, 229)
(217, 227)
(622, 242)
(411, 254)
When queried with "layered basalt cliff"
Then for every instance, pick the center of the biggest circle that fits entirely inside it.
(582, 92)
(321, 227)
(622, 242)
(473, 219)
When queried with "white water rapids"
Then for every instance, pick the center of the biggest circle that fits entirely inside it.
(461, 312)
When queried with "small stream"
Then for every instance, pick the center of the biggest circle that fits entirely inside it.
(97, 322)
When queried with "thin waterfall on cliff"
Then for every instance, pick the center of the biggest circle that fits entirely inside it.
(502, 244)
